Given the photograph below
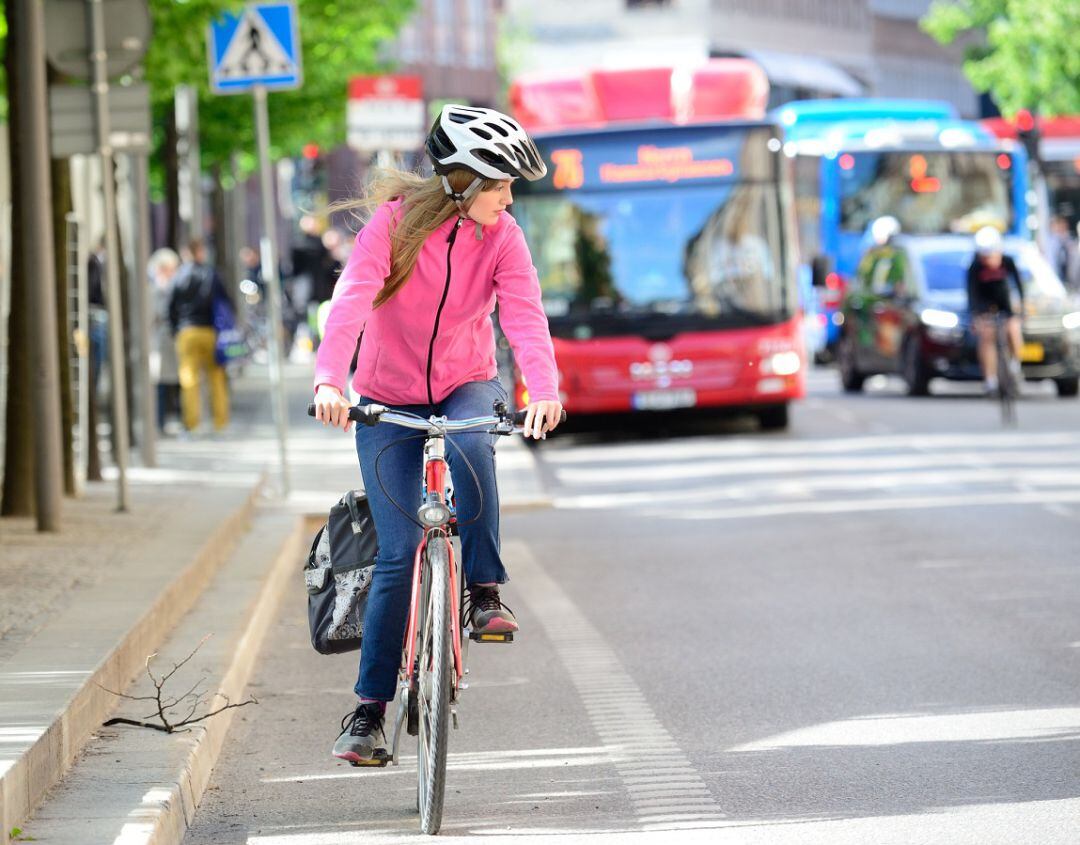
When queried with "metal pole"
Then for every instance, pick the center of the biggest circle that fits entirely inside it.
(82, 255)
(195, 163)
(31, 136)
(269, 252)
(117, 367)
(140, 185)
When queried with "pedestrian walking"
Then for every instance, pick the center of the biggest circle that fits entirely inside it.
(1061, 250)
(98, 316)
(164, 368)
(196, 291)
(427, 272)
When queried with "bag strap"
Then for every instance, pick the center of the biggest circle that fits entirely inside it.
(354, 511)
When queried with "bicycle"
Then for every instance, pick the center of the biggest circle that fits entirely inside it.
(1008, 388)
(435, 649)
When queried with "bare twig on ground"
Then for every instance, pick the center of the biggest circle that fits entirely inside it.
(165, 704)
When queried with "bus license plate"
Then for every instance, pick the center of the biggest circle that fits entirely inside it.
(663, 400)
(1032, 353)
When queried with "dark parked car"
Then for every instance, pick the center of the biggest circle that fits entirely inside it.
(906, 313)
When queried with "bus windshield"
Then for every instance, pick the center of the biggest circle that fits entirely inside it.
(928, 192)
(709, 253)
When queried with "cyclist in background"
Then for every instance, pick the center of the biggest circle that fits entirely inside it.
(988, 280)
(428, 269)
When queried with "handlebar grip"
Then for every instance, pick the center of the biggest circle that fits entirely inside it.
(519, 417)
(356, 414)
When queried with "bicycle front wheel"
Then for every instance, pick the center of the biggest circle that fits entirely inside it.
(1008, 389)
(435, 678)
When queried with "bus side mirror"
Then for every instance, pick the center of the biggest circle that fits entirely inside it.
(819, 270)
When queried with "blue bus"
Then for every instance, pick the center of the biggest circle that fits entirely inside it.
(855, 161)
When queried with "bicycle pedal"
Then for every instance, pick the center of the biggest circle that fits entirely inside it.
(501, 637)
(379, 759)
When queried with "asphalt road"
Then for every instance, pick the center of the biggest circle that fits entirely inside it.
(865, 629)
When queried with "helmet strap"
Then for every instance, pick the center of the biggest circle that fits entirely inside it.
(461, 198)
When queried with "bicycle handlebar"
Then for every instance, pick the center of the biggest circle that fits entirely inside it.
(499, 423)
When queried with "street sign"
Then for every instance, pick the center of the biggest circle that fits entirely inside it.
(258, 46)
(71, 120)
(258, 50)
(386, 113)
(127, 35)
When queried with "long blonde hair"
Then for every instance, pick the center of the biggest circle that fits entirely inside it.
(425, 207)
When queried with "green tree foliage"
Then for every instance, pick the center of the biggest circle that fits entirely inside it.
(338, 39)
(1027, 55)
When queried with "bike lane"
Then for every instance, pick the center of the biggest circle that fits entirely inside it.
(527, 759)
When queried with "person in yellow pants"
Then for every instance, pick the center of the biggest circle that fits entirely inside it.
(195, 356)
(195, 288)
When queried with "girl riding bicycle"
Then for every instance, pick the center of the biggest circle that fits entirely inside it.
(428, 269)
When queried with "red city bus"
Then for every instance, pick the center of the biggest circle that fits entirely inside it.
(663, 241)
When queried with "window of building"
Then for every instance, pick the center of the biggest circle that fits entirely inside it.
(476, 32)
(648, 4)
(409, 43)
(445, 42)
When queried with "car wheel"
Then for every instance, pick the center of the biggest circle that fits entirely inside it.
(916, 373)
(774, 418)
(850, 377)
(1067, 387)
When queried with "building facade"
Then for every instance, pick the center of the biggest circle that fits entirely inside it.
(808, 48)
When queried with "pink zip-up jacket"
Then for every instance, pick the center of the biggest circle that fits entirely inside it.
(435, 334)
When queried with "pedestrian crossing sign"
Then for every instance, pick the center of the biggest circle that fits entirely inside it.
(258, 45)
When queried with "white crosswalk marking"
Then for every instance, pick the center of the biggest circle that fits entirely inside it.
(747, 477)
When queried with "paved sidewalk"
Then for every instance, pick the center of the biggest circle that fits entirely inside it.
(84, 606)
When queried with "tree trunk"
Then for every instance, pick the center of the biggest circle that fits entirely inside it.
(18, 494)
(61, 203)
(93, 453)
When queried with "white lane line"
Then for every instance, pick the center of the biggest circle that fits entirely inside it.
(694, 449)
(619, 473)
(595, 670)
(865, 505)
(807, 486)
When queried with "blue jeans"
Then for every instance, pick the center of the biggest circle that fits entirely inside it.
(400, 471)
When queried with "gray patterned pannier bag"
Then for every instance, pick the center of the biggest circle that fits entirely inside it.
(338, 575)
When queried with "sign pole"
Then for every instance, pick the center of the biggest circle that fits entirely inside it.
(117, 367)
(269, 252)
(143, 305)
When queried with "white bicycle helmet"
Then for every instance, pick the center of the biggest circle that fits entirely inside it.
(988, 240)
(485, 142)
(883, 229)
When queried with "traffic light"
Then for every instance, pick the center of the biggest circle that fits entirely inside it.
(1027, 130)
(311, 175)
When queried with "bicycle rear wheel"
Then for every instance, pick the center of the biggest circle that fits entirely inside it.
(435, 678)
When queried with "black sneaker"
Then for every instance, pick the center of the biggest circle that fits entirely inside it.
(488, 615)
(356, 743)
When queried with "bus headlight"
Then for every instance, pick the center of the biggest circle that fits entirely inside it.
(1071, 321)
(781, 364)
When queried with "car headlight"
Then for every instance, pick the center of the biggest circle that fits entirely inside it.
(939, 319)
(1071, 321)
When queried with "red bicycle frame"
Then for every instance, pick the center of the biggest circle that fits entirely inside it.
(435, 488)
